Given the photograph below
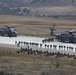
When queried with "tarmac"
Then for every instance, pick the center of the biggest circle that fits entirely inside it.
(10, 43)
(9, 46)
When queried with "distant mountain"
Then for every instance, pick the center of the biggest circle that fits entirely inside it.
(12, 3)
(38, 7)
(41, 3)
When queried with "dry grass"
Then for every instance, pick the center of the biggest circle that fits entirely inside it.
(37, 26)
(11, 62)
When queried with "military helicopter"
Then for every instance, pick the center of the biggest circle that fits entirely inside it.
(8, 31)
(67, 36)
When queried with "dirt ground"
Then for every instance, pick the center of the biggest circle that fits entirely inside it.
(12, 63)
(37, 26)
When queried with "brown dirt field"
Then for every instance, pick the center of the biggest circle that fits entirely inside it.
(37, 26)
(23, 64)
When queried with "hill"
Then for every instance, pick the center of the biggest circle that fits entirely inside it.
(37, 7)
